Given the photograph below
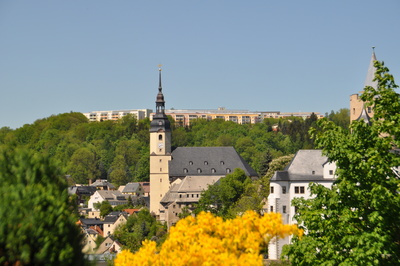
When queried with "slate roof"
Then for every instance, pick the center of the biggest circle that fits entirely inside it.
(131, 188)
(102, 183)
(306, 165)
(196, 161)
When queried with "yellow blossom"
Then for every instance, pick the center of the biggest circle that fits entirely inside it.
(209, 240)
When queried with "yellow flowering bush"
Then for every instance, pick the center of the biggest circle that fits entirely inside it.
(209, 240)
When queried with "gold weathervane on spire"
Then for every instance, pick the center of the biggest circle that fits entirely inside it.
(159, 67)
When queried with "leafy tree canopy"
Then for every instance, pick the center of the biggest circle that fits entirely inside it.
(139, 227)
(221, 196)
(357, 221)
(37, 225)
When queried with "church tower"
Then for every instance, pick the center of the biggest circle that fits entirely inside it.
(160, 154)
(358, 111)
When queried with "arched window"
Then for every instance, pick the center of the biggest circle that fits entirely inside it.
(222, 163)
(212, 170)
(185, 170)
(228, 170)
(190, 163)
(160, 137)
(198, 170)
(205, 163)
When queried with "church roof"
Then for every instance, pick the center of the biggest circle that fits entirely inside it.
(369, 80)
(195, 161)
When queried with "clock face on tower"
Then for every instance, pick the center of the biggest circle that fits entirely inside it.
(160, 145)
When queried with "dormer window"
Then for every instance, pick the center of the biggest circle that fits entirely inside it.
(190, 163)
(222, 163)
(185, 170)
(205, 163)
(213, 170)
(159, 122)
(228, 170)
(198, 170)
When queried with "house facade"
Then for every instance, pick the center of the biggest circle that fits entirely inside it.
(184, 194)
(307, 166)
(114, 197)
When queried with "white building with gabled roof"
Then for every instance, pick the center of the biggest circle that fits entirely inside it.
(307, 166)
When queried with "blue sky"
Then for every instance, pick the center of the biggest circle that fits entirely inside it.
(288, 56)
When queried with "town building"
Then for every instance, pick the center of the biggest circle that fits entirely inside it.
(117, 114)
(114, 197)
(185, 117)
(167, 166)
(307, 166)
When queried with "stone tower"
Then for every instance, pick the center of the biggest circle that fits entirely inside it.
(160, 154)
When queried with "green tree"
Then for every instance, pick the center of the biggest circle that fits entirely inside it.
(340, 118)
(83, 166)
(105, 208)
(357, 221)
(221, 196)
(37, 225)
(139, 227)
(266, 159)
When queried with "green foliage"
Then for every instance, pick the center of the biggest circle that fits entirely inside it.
(340, 118)
(105, 208)
(357, 221)
(220, 197)
(139, 227)
(119, 150)
(37, 225)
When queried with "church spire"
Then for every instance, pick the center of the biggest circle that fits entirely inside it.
(160, 119)
(369, 80)
(160, 103)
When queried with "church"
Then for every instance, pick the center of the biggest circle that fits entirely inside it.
(178, 177)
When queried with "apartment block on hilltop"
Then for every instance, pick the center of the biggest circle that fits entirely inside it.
(116, 115)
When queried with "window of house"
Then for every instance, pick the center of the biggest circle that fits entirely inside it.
(173, 206)
(190, 163)
(160, 160)
(160, 137)
(299, 190)
(284, 209)
(212, 170)
(192, 195)
(222, 163)
(198, 170)
(331, 172)
(271, 208)
(313, 172)
(205, 163)
(160, 169)
(369, 110)
(271, 190)
(284, 190)
(228, 170)
(185, 170)
(160, 180)
(187, 195)
(180, 195)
